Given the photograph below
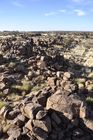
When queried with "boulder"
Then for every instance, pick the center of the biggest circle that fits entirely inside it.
(14, 132)
(28, 125)
(41, 64)
(41, 114)
(51, 81)
(67, 105)
(56, 118)
(30, 110)
(88, 123)
(44, 124)
(40, 134)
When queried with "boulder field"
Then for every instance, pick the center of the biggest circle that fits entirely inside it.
(45, 92)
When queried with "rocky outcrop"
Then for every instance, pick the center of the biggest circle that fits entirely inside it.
(44, 95)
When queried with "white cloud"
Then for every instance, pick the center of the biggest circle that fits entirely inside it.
(62, 11)
(17, 4)
(51, 13)
(55, 13)
(79, 12)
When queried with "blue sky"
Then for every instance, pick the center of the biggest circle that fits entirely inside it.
(36, 15)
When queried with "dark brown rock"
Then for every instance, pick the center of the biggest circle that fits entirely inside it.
(78, 133)
(10, 114)
(56, 118)
(1, 131)
(44, 124)
(40, 134)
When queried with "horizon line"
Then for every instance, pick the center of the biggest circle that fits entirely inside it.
(46, 31)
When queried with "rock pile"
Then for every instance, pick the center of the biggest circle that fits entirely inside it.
(40, 97)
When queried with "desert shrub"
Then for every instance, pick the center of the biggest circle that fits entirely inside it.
(2, 103)
(89, 101)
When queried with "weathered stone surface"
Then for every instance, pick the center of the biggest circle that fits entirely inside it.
(41, 64)
(19, 120)
(11, 114)
(78, 133)
(64, 104)
(67, 75)
(41, 114)
(6, 91)
(60, 136)
(89, 62)
(83, 112)
(55, 117)
(30, 110)
(44, 124)
(88, 123)
(58, 74)
(14, 132)
(51, 81)
(2, 86)
(2, 60)
(20, 68)
(42, 97)
(1, 131)
(40, 134)
(28, 125)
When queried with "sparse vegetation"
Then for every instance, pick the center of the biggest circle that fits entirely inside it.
(1, 94)
(2, 103)
(25, 87)
(38, 87)
(22, 88)
(89, 101)
(14, 97)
